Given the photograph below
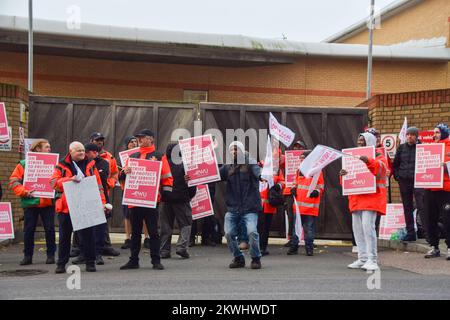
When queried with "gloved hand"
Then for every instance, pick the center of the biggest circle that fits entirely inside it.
(293, 191)
(314, 194)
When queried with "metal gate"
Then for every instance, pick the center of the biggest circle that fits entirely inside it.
(63, 120)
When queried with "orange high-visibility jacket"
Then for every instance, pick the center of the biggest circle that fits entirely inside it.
(63, 173)
(374, 201)
(267, 208)
(446, 159)
(16, 184)
(113, 169)
(306, 205)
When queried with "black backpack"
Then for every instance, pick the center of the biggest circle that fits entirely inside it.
(275, 197)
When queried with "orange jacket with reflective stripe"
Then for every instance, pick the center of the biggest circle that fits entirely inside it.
(113, 169)
(63, 173)
(267, 208)
(374, 201)
(306, 205)
(16, 184)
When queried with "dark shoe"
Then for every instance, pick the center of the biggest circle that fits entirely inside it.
(60, 269)
(79, 260)
(50, 260)
(110, 251)
(309, 251)
(192, 242)
(165, 255)
(26, 261)
(264, 253)
(287, 244)
(238, 262)
(75, 252)
(409, 238)
(208, 242)
(130, 265)
(256, 263)
(433, 253)
(99, 261)
(183, 254)
(90, 268)
(147, 243)
(292, 251)
(126, 244)
(158, 266)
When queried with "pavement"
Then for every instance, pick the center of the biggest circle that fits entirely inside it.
(403, 275)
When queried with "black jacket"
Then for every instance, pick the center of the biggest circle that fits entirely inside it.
(405, 162)
(103, 169)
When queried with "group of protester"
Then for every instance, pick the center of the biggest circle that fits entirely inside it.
(250, 208)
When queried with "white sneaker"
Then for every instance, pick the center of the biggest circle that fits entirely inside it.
(354, 249)
(356, 265)
(370, 266)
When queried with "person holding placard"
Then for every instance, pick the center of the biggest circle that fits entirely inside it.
(33, 208)
(365, 208)
(138, 214)
(437, 201)
(74, 167)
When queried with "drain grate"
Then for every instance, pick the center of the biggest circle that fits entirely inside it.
(22, 273)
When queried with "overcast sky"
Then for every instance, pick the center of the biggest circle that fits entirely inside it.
(300, 20)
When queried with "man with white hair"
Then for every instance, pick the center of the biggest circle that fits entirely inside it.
(243, 203)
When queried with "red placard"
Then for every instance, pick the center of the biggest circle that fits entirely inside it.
(125, 155)
(39, 168)
(426, 136)
(392, 221)
(6, 221)
(292, 165)
(199, 160)
(359, 179)
(142, 184)
(429, 172)
(4, 133)
(201, 203)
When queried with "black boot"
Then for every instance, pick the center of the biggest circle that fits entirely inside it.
(110, 251)
(238, 262)
(27, 260)
(309, 251)
(90, 267)
(50, 260)
(79, 260)
(183, 254)
(126, 244)
(256, 263)
(158, 266)
(130, 265)
(292, 251)
(99, 261)
(60, 268)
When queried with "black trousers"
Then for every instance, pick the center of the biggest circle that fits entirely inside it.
(31, 216)
(65, 233)
(288, 203)
(138, 216)
(408, 192)
(437, 203)
(264, 222)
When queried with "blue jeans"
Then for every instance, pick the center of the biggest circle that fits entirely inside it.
(242, 233)
(309, 229)
(250, 220)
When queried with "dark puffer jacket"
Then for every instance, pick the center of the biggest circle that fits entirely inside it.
(405, 162)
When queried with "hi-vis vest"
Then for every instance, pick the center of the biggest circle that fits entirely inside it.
(306, 205)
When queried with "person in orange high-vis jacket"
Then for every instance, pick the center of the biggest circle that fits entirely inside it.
(67, 170)
(33, 208)
(265, 219)
(308, 208)
(150, 215)
(437, 201)
(365, 208)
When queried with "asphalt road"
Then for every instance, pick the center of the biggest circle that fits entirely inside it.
(206, 276)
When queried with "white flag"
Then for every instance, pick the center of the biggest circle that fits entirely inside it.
(280, 132)
(318, 159)
(267, 171)
(286, 224)
(298, 221)
(402, 134)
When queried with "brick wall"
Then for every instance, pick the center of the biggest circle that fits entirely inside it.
(423, 109)
(12, 96)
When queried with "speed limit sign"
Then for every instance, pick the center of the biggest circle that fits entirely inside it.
(389, 142)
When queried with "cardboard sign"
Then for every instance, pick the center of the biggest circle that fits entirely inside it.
(142, 184)
(199, 160)
(426, 136)
(359, 179)
(6, 221)
(392, 221)
(4, 133)
(125, 155)
(429, 172)
(39, 168)
(292, 164)
(389, 142)
(201, 203)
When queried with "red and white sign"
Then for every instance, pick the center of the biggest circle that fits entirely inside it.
(6, 221)
(39, 168)
(281, 133)
(199, 160)
(389, 142)
(125, 155)
(359, 179)
(429, 172)
(201, 203)
(142, 184)
(292, 165)
(392, 221)
(426, 136)
(4, 134)
(318, 159)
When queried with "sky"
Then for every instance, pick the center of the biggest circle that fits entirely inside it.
(296, 20)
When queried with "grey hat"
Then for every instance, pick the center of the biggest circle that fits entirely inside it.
(413, 131)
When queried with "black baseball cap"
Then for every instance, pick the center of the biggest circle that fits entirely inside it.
(96, 136)
(145, 132)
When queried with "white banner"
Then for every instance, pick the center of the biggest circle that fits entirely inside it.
(318, 159)
(267, 171)
(280, 132)
(402, 134)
